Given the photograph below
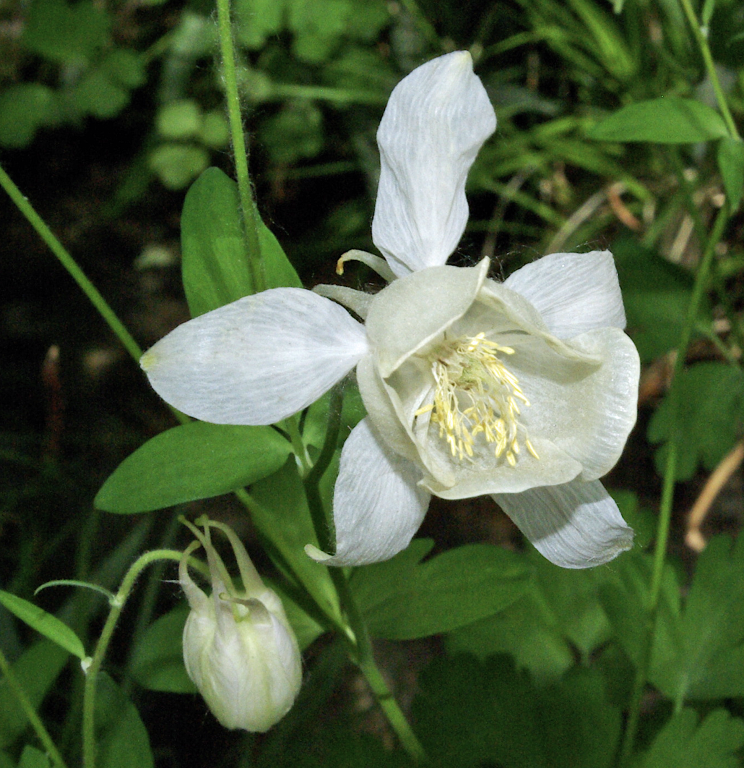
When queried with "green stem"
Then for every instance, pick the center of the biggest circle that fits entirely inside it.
(667, 496)
(247, 204)
(28, 709)
(91, 678)
(298, 445)
(702, 41)
(70, 265)
(356, 635)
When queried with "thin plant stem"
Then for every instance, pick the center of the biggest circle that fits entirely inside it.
(240, 151)
(91, 673)
(25, 207)
(28, 709)
(702, 41)
(357, 635)
(665, 512)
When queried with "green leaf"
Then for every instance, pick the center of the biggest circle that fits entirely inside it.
(403, 599)
(216, 270)
(98, 95)
(656, 296)
(668, 120)
(24, 108)
(68, 34)
(36, 671)
(711, 406)
(43, 622)
(469, 713)
(122, 738)
(623, 597)
(157, 661)
(256, 20)
(682, 743)
(33, 758)
(558, 615)
(731, 165)
(281, 513)
(305, 627)
(125, 67)
(707, 661)
(294, 133)
(179, 119)
(193, 461)
(177, 165)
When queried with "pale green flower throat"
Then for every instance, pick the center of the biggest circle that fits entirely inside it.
(469, 373)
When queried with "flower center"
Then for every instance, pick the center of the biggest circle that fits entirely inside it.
(476, 394)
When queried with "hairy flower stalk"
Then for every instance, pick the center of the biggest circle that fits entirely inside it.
(238, 646)
(524, 390)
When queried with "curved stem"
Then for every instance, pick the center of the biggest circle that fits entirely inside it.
(247, 204)
(356, 635)
(70, 265)
(702, 41)
(667, 497)
(91, 679)
(28, 709)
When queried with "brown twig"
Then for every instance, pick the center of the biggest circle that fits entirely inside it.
(719, 477)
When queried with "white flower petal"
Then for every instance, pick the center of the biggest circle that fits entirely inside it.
(575, 525)
(377, 505)
(257, 360)
(585, 410)
(435, 122)
(412, 311)
(574, 292)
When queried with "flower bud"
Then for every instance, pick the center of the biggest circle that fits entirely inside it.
(238, 646)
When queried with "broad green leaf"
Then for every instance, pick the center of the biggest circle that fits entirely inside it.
(44, 623)
(711, 408)
(731, 166)
(193, 461)
(66, 33)
(281, 513)
(656, 296)
(36, 670)
(668, 120)
(31, 757)
(157, 661)
(403, 599)
(558, 615)
(216, 270)
(122, 738)
(24, 108)
(470, 713)
(683, 743)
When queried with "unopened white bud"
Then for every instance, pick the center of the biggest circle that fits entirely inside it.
(238, 646)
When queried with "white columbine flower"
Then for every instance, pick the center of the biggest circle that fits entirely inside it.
(525, 390)
(238, 646)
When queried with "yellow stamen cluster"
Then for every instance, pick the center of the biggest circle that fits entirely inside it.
(468, 370)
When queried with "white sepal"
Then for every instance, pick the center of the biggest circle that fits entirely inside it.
(377, 505)
(257, 360)
(574, 292)
(435, 122)
(574, 525)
